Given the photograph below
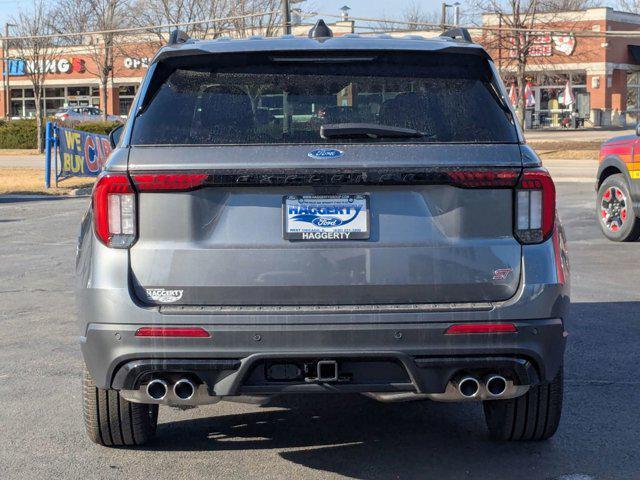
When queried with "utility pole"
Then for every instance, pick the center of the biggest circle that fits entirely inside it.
(5, 83)
(5, 70)
(285, 13)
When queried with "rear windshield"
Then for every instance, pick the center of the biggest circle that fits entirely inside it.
(271, 99)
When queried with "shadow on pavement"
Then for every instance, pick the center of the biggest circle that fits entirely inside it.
(358, 437)
(9, 198)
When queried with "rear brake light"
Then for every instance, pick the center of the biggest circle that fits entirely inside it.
(481, 328)
(535, 207)
(184, 332)
(114, 210)
(150, 182)
(483, 178)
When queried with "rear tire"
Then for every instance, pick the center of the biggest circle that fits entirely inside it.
(626, 227)
(532, 416)
(112, 421)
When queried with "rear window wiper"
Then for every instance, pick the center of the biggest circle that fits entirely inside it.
(367, 130)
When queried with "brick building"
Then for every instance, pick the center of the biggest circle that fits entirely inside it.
(72, 80)
(604, 73)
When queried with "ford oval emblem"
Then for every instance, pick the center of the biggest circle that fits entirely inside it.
(326, 153)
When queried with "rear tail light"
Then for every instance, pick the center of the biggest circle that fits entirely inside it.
(114, 210)
(175, 332)
(535, 207)
(489, 178)
(468, 328)
(155, 182)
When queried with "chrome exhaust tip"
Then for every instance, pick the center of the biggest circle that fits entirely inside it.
(496, 385)
(184, 389)
(157, 389)
(468, 387)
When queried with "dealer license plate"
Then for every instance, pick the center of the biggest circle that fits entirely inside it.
(326, 217)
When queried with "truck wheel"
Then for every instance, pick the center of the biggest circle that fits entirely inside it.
(532, 416)
(112, 421)
(616, 216)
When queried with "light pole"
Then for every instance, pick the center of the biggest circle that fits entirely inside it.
(5, 56)
(285, 13)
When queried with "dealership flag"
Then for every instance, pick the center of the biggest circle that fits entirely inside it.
(529, 99)
(567, 95)
(513, 95)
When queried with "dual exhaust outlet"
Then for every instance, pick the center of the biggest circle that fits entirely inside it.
(183, 389)
(494, 386)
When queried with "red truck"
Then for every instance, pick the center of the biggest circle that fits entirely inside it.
(618, 187)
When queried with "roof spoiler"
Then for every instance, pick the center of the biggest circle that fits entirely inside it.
(458, 33)
(177, 37)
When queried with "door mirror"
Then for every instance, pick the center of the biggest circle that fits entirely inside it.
(115, 134)
(638, 129)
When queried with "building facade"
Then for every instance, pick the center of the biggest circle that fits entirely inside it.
(72, 79)
(603, 73)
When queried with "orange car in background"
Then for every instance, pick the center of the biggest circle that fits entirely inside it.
(618, 187)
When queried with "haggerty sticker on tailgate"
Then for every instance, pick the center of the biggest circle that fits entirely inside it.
(163, 295)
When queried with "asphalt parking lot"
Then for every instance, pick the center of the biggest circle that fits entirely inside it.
(42, 434)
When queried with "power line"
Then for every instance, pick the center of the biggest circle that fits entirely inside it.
(139, 29)
(380, 21)
(531, 30)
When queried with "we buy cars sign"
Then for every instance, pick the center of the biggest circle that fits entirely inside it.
(82, 153)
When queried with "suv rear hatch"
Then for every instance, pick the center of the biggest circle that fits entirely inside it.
(229, 153)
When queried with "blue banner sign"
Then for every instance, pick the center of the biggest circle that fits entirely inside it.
(82, 154)
(16, 68)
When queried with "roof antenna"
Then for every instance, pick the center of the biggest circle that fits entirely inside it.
(320, 30)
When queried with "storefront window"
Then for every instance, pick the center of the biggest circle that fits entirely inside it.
(30, 108)
(126, 94)
(633, 94)
(17, 109)
(79, 91)
(54, 92)
(52, 105)
(54, 98)
(127, 90)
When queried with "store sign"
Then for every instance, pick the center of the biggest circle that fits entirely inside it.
(544, 45)
(564, 43)
(82, 153)
(136, 63)
(23, 67)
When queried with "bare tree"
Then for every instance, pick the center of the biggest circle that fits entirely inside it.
(37, 52)
(173, 12)
(517, 32)
(251, 23)
(632, 6)
(413, 17)
(512, 18)
(568, 5)
(102, 16)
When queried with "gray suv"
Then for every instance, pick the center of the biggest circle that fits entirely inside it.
(309, 215)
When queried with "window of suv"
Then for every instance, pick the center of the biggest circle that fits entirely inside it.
(366, 97)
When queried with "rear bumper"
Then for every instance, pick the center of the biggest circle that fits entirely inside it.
(227, 362)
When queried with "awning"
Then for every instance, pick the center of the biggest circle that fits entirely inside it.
(634, 51)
